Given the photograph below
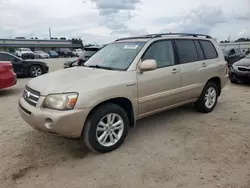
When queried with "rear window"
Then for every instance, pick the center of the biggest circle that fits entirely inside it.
(208, 49)
(187, 51)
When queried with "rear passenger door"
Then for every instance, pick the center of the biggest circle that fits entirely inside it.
(211, 65)
(191, 59)
(159, 88)
(198, 62)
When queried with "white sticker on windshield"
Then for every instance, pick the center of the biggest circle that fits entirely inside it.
(132, 47)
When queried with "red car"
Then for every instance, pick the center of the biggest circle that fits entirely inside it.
(7, 76)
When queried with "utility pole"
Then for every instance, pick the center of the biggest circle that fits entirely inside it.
(49, 33)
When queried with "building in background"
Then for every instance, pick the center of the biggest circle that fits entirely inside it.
(11, 45)
(240, 45)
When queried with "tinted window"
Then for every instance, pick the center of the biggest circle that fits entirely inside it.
(6, 57)
(209, 50)
(199, 50)
(162, 52)
(187, 51)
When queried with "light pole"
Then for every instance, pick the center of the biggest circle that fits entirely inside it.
(49, 33)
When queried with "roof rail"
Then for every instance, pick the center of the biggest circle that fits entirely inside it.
(139, 37)
(178, 34)
(164, 34)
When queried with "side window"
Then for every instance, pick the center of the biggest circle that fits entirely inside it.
(187, 51)
(5, 57)
(162, 52)
(209, 50)
(199, 50)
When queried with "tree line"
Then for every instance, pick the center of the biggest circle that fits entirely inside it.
(238, 40)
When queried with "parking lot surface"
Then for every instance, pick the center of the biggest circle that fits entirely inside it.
(174, 149)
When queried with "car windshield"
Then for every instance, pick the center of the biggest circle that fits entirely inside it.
(66, 50)
(117, 56)
(25, 49)
(248, 56)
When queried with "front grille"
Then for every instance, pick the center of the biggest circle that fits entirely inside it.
(31, 96)
(244, 69)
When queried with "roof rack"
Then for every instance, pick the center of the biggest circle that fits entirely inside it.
(166, 34)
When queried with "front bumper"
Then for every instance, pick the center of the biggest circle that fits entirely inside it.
(65, 123)
(238, 75)
(46, 69)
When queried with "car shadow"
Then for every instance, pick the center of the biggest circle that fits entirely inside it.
(10, 91)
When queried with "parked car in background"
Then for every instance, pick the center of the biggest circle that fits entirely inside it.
(86, 54)
(77, 52)
(233, 55)
(53, 54)
(240, 71)
(22, 67)
(126, 80)
(7, 76)
(65, 52)
(41, 54)
(25, 53)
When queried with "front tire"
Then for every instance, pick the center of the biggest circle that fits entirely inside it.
(35, 71)
(208, 98)
(106, 128)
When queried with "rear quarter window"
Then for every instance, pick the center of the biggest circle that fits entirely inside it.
(208, 49)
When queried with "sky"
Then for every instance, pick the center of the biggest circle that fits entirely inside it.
(103, 21)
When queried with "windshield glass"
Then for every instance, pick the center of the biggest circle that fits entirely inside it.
(116, 56)
(248, 56)
(25, 49)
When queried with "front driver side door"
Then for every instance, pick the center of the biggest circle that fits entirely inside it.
(158, 88)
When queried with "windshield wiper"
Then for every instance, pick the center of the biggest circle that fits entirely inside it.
(101, 67)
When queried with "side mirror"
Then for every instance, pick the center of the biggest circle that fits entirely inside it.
(148, 65)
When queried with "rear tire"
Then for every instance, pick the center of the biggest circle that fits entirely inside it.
(106, 128)
(208, 98)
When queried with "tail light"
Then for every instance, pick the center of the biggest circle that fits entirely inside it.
(226, 68)
(6, 66)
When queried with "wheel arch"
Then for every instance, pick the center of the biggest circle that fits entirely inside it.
(124, 103)
(217, 81)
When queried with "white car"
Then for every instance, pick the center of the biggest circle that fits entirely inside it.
(25, 53)
(41, 54)
(77, 52)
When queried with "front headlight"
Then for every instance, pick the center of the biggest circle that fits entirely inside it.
(64, 101)
(234, 67)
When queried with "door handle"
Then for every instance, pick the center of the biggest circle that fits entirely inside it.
(174, 71)
(204, 64)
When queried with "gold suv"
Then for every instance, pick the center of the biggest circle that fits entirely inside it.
(126, 80)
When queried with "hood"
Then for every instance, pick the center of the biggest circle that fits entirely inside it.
(243, 62)
(79, 79)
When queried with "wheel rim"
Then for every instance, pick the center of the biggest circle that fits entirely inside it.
(36, 71)
(109, 130)
(210, 97)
